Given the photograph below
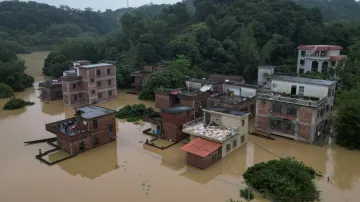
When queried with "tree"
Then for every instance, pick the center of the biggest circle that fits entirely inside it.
(183, 65)
(170, 78)
(347, 119)
(55, 64)
(5, 91)
(285, 180)
(13, 104)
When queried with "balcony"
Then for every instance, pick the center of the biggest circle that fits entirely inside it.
(304, 101)
(65, 128)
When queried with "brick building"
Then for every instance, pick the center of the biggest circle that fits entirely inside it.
(92, 83)
(140, 78)
(92, 126)
(215, 135)
(51, 90)
(236, 96)
(173, 119)
(296, 107)
(222, 78)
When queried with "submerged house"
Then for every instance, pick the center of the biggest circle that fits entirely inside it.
(213, 136)
(141, 77)
(51, 90)
(92, 126)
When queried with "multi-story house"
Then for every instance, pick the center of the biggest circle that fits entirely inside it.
(215, 135)
(295, 107)
(92, 83)
(141, 77)
(91, 127)
(51, 90)
(318, 58)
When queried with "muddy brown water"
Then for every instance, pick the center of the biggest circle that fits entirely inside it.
(128, 170)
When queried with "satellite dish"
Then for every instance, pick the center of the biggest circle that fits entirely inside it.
(85, 123)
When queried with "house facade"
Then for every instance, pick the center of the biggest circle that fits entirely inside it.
(91, 127)
(215, 135)
(51, 90)
(92, 84)
(141, 77)
(318, 58)
(296, 107)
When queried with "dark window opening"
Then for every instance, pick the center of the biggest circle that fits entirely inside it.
(93, 92)
(243, 123)
(100, 95)
(243, 139)
(303, 53)
(110, 128)
(333, 63)
(329, 92)
(98, 72)
(75, 97)
(228, 147)
(301, 71)
(235, 143)
(80, 95)
(333, 92)
(109, 82)
(293, 90)
(108, 71)
(277, 108)
(92, 80)
(74, 85)
(110, 93)
(95, 123)
(291, 111)
(325, 66)
(314, 66)
(82, 146)
(96, 140)
(327, 108)
(98, 84)
(302, 62)
(301, 90)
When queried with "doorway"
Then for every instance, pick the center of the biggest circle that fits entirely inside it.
(82, 146)
(293, 90)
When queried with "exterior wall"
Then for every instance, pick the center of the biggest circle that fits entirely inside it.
(197, 102)
(261, 71)
(71, 144)
(218, 87)
(240, 90)
(200, 162)
(50, 94)
(162, 100)
(231, 143)
(173, 124)
(248, 106)
(320, 59)
(193, 85)
(309, 89)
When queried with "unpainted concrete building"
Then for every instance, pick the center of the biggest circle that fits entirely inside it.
(141, 77)
(51, 90)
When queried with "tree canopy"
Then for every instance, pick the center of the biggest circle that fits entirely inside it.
(285, 180)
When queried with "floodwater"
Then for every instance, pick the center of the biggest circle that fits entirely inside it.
(128, 170)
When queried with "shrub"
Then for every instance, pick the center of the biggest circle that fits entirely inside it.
(5, 91)
(136, 112)
(285, 180)
(245, 194)
(16, 104)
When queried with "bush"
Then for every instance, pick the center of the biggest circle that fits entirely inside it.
(136, 112)
(16, 104)
(5, 91)
(245, 194)
(285, 180)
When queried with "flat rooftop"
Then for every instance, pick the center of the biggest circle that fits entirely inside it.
(203, 81)
(95, 65)
(231, 99)
(233, 83)
(304, 80)
(92, 111)
(227, 111)
(216, 133)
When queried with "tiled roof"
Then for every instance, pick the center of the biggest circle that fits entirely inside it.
(337, 58)
(201, 147)
(319, 47)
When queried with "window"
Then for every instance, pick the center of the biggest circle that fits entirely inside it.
(275, 124)
(301, 90)
(98, 72)
(325, 66)
(333, 92)
(92, 80)
(302, 62)
(214, 157)
(291, 111)
(108, 71)
(327, 108)
(277, 108)
(110, 128)
(109, 82)
(93, 92)
(243, 123)
(95, 123)
(235, 143)
(293, 90)
(100, 95)
(228, 147)
(301, 71)
(75, 97)
(74, 85)
(82, 146)
(243, 139)
(303, 53)
(329, 92)
(110, 93)
(80, 95)
(96, 140)
(314, 66)
(333, 63)
(98, 84)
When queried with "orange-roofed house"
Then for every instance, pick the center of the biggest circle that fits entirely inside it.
(218, 133)
(318, 58)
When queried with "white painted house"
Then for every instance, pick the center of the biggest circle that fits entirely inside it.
(320, 58)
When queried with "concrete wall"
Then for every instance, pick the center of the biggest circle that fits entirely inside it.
(309, 89)
(200, 162)
(240, 90)
(173, 124)
(231, 143)
(308, 60)
(261, 71)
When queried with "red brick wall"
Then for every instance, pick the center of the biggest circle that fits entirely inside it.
(92, 74)
(187, 102)
(304, 131)
(66, 99)
(83, 73)
(198, 161)
(305, 115)
(103, 85)
(218, 87)
(213, 102)
(162, 100)
(63, 144)
(284, 116)
(172, 124)
(64, 86)
(262, 122)
(263, 106)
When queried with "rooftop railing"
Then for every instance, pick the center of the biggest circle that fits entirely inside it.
(193, 122)
(298, 100)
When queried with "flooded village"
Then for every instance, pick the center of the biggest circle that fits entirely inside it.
(130, 170)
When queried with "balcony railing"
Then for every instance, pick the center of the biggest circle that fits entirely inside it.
(193, 122)
(299, 101)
